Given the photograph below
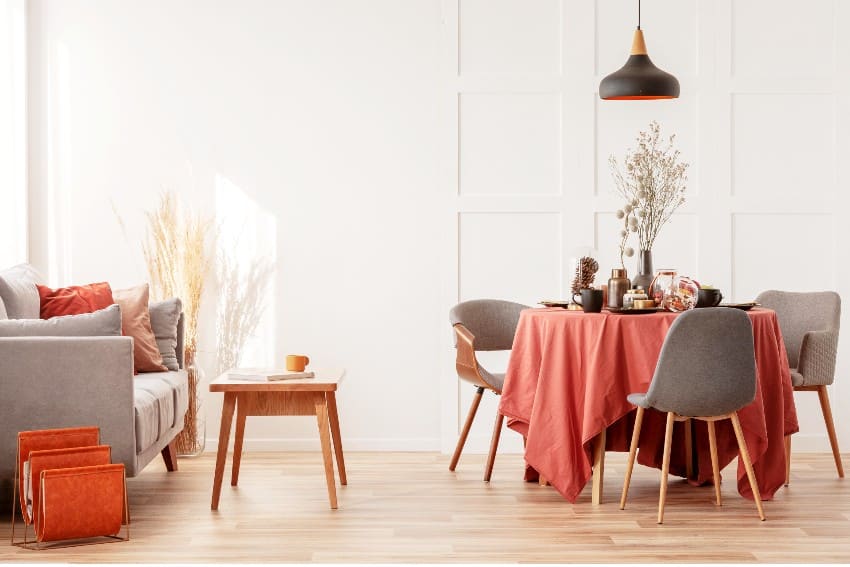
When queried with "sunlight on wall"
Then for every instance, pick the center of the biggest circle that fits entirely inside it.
(247, 234)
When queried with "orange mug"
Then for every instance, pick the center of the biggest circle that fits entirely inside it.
(296, 362)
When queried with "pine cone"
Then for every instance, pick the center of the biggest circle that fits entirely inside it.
(585, 272)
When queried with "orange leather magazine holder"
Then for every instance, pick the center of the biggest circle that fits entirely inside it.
(81, 502)
(67, 487)
(44, 439)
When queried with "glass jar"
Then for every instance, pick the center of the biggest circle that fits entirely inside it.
(662, 281)
(584, 265)
(681, 295)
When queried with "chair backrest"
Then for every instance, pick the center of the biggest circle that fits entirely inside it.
(801, 312)
(707, 365)
(492, 321)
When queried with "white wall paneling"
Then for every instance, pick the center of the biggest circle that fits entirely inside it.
(762, 119)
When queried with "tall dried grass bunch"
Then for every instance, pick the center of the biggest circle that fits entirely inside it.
(176, 249)
(177, 254)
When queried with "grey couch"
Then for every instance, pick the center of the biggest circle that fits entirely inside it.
(62, 381)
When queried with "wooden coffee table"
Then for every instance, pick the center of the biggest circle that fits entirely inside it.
(311, 396)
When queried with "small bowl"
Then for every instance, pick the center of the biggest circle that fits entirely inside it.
(643, 304)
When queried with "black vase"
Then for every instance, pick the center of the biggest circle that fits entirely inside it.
(645, 273)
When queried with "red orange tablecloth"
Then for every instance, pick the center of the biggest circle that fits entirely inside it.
(569, 375)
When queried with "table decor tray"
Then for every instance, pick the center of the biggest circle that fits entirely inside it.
(746, 306)
(632, 310)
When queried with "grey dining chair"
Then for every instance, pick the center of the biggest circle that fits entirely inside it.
(706, 371)
(482, 325)
(809, 322)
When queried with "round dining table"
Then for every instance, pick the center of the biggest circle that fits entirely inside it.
(565, 391)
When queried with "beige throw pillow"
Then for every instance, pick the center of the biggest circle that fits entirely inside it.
(136, 323)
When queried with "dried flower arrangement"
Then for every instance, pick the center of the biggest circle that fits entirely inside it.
(176, 252)
(653, 187)
(240, 306)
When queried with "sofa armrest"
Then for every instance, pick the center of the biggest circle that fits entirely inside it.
(51, 382)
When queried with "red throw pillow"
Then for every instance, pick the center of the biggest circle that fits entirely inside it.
(74, 300)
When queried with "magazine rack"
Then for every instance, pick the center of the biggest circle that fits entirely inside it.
(68, 490)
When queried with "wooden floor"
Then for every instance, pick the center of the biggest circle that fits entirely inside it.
(407, 507)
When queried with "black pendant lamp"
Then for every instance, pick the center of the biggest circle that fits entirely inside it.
(639, 79)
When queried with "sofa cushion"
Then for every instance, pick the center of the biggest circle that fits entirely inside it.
(75, 299)
(18, 292)
(106, 322)
(136, 323)
(160, 400)
(147, 419)
(164, 318)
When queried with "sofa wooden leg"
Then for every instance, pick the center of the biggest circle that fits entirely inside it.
(169, 455)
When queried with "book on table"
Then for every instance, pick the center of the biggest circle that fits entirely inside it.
(267, 375)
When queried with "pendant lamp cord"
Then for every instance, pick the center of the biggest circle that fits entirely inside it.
(638, 14)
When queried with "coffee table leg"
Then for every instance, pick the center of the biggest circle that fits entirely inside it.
(325, 438)
(223, 440)
(598, 467)
(337, 437)
(237, 445)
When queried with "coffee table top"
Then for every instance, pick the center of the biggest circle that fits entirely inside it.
(326, 380)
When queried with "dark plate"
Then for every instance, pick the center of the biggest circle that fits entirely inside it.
(745, 306)
(633, 311)
(563, 304)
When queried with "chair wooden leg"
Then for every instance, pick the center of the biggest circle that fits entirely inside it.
(632, 454)
(169, 455)
(830, 428)
(476, 401)
(787, 460)
(748, 465)
(494, 444)
(715, 464)
(665, 464)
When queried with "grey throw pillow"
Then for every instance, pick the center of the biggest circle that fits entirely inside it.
(164, 317)
(18, 293)
(103, 323)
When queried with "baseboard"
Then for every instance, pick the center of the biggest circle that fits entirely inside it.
(813, 443)
(423, 444)
(509, 444)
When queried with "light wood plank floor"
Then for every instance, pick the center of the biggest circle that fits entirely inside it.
(407, 507)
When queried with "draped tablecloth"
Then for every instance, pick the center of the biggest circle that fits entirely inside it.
(570, 372)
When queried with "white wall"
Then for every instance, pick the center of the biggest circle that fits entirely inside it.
(323, 116)
(404, 155)
(13, 140)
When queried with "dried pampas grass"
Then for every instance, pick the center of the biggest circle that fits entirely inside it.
(176, 250)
